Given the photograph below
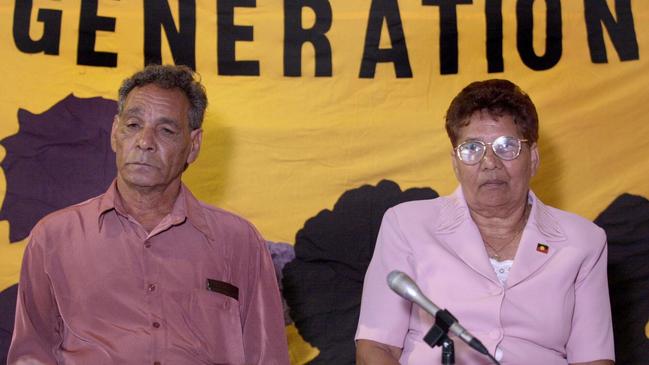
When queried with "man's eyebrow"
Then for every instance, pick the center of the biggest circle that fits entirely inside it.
(165, 120)
(136, 110)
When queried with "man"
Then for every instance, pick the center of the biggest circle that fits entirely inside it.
(145, 273)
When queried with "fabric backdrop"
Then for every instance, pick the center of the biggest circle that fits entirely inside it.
(312, 98)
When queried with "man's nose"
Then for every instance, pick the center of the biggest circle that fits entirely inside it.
(146, 139)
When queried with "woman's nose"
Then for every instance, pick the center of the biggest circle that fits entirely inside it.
(490, 160)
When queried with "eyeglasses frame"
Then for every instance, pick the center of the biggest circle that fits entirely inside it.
(484, 153)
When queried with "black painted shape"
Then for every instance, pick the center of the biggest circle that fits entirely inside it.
(58, 158)
(372, 54)
(525, 35)
(48, 43)
(7, 313)
(448, 33)
(182, 41)
(228, 34)
(494, 16)
(89, 24)
(295, 36)
(626, 222)
(324, 283)
(622, 31)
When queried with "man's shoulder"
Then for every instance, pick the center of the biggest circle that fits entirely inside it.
(73, 214)
(215, 213)
(225, 223)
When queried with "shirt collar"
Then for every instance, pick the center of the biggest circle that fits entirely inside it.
(186, 207)
(193, 209)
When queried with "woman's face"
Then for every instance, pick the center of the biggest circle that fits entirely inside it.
(494, 186)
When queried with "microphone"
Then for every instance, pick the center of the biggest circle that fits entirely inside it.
(403, 285)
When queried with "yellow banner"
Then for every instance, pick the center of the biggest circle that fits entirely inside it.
(310, 98)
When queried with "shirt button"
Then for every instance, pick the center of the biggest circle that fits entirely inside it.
(156, 324)
(151, 287)
(157, 363)
(147, 245)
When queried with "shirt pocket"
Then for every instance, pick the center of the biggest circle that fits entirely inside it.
(217, 321)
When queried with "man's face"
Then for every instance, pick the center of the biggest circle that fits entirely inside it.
(152, 138)
(495, 183)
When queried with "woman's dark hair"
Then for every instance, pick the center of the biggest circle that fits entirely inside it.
(497, 97)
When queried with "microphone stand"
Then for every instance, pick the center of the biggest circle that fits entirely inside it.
(438, 336)
(405, 287)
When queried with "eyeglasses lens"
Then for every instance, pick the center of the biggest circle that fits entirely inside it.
(507, 148)
(471, 152)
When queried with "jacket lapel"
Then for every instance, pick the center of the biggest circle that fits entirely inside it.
(541, 240)
(459, 234)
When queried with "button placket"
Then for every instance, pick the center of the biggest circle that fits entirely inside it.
(152, 290)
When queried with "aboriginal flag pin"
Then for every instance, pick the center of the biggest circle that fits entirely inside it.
(542, 248)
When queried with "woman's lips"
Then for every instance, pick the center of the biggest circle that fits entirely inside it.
(493, 183)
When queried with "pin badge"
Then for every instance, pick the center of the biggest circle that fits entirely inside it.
(542, 248)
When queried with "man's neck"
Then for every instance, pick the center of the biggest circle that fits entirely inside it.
(148, 206)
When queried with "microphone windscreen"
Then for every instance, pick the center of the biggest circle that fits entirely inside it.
(403, 285)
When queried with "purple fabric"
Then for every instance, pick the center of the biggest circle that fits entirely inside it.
(281, 253)
(56, 159)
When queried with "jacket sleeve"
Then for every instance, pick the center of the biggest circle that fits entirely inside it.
(36, 333)
(385, 316)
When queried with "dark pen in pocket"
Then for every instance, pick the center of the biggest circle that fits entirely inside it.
(222, 287)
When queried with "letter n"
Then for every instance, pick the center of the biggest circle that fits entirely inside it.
(622, 31)
(182, 41)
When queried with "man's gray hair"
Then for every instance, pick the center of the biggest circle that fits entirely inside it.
(170, 77)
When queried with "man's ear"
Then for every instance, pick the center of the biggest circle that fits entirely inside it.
(113, 131)
(196, 138)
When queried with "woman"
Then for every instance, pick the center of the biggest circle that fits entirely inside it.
(526, 279)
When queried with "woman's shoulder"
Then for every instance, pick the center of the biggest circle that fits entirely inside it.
(575, 228)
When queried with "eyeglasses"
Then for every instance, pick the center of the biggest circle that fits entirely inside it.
(505, 147)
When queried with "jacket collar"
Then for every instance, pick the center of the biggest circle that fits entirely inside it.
(461, 235)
